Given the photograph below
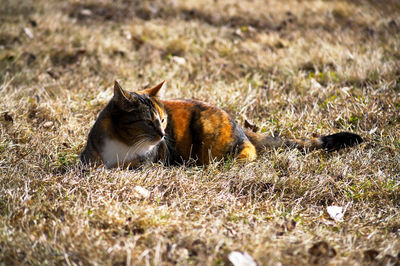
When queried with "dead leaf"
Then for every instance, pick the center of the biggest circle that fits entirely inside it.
(250, 126)
(141, 192)
(290, 225)
(337, 212)
(370, 255)
(48, 124)
(86, 12)
(53, 74)
(241, 259)
(179, 60)
(28, 32)
(8, 117)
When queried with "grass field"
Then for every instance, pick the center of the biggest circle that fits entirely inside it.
(292, 68)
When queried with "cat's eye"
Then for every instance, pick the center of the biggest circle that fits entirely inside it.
(162, 120)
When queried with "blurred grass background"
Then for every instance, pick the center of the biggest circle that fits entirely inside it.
(293, 68)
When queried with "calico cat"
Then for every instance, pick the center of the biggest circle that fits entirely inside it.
(136, 128)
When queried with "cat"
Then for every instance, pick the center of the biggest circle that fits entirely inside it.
(137, 128)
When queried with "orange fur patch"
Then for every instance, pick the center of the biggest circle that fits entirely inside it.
(180, 116)
(248, 152)
(211, 120)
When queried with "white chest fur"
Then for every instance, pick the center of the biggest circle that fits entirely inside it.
(116, 153)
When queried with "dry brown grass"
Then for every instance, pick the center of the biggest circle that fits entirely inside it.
(294, 68)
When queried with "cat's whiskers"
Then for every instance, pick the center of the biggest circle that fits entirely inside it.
(142, 143)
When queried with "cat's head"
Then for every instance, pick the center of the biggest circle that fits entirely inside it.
(139, 116)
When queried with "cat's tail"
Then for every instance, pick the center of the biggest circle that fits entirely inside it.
(330, 142)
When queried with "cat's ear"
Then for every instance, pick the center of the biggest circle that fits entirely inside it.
(154, 91)
(121, 98)
(119, 93)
